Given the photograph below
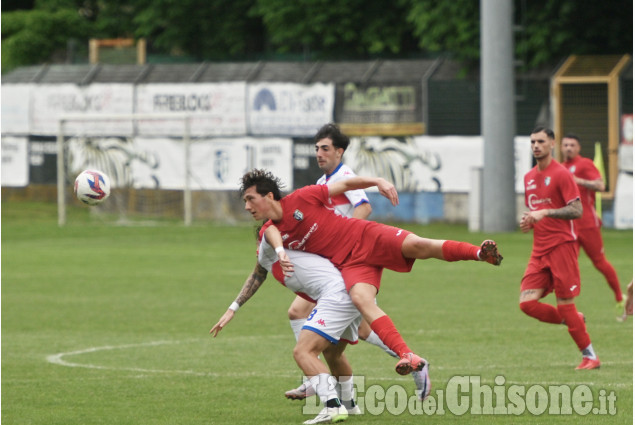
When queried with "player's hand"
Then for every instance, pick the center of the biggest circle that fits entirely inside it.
(285, 263)
(388, 190)
(227, 317)
(527, 222)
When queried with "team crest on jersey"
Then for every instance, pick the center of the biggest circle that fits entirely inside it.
(547, 180)
(572, 168)
(298, 215)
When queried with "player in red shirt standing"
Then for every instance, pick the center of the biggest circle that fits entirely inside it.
(304, 220)
(554, 203)
(589, 180)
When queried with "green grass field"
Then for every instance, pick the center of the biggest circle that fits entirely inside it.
(109, 325)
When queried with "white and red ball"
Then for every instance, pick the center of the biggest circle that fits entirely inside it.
(92, 187)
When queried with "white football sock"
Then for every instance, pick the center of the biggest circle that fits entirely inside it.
(296, 326)
(347, 390)
(589, 352)
(324, 385)
(374, 339)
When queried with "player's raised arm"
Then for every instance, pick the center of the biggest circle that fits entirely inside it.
(386, 188)
(251, 285)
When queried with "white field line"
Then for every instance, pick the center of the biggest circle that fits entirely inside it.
(58, 359)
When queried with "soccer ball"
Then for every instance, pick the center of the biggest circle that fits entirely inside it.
(92, 187)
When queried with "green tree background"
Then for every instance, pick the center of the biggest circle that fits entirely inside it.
(37, 31)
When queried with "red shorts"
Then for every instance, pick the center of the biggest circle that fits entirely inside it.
(590, 239)
(379, 248)
(556, 271)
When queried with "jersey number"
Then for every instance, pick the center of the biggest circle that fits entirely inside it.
(312, 314)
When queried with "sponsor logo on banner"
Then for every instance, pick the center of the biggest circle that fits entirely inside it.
(52, 101)
(215, 109)
(288, 109)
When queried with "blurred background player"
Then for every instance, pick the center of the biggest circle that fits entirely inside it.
(330, 145)
(554, 203)
(589, 181)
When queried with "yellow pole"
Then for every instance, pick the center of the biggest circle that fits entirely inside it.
(598, 161)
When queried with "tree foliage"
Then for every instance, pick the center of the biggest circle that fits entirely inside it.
(336, 29)
(549, 30)
(217, 30)
(30, 37)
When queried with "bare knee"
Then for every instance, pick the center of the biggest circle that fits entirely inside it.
(358, 299)
(294, 314)
(364, 330)
(303, 351)
(299, 309)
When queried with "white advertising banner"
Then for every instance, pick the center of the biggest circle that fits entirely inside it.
(15, 162)
(216, 164)
(288, 109)
(15, 108)
(51, 101)
(216, 109)
(428, 163)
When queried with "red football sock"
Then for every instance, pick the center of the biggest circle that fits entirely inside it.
(611, 277)
(457, 251)
(577, 328)
(388, 333)
(541, 311)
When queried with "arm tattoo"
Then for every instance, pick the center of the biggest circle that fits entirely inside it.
(253, 282)
(569, 212)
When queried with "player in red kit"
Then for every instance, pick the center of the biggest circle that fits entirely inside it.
(589, 180)
(360, 249)
(553, 199)
(330, 145)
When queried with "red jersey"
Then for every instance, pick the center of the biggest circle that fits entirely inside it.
(551, 188)
(585, 169)
(310, 224)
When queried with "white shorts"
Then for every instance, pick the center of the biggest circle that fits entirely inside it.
(335, 317)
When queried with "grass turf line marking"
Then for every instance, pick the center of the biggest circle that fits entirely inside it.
(57, 359)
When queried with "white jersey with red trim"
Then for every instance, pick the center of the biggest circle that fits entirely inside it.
(313, 275)
(345, 203)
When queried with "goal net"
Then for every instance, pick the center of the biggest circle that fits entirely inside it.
(109, 143)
